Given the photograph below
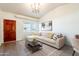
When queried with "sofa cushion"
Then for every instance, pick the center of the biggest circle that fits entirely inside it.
(36, 33)
(50, 40)
(43, 34)
(46, 39)
(47, 34)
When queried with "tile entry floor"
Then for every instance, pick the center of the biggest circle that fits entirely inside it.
(18, 49)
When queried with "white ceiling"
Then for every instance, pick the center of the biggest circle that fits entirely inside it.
(25, 8)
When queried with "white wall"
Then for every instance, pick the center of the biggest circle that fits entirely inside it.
(65, 20)
(19, 25)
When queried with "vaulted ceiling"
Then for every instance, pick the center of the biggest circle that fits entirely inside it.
(26, 10)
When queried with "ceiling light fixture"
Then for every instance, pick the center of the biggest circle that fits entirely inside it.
(35, 7)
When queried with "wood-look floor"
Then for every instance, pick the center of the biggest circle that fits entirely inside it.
(19, 49)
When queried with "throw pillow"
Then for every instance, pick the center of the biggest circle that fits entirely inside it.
(50, 35)
(55, 37)
(59, 35)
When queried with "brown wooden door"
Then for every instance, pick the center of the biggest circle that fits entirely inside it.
(9, 30)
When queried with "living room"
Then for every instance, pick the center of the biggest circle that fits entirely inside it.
(53, 28)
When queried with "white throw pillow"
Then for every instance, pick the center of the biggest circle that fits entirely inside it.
(55, 37)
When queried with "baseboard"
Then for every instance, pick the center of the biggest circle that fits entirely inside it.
(10, 41)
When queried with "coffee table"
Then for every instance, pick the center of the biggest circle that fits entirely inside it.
(33, 45)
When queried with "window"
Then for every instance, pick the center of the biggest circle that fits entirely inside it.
(30, 27)
(27, 27)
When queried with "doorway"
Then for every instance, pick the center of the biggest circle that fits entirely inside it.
(9, 30)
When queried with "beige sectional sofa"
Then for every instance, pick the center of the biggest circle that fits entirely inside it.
(46, 38)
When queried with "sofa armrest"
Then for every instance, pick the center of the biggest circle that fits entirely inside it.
(60, 42)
